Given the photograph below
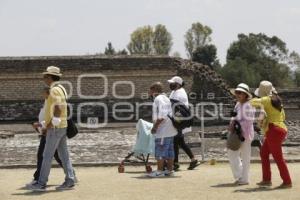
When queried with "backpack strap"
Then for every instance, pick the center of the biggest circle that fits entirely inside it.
(62, 89)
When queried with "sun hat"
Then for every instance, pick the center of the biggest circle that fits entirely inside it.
(176, 79)
(242, 87)
(265, 89)
(52, 70)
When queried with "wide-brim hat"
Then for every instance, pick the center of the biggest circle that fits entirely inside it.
(265, 89)
(242, 87)
(52, 70)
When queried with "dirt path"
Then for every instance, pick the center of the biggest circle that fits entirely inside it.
(207, 182)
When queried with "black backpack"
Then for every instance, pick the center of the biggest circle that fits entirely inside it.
(182, 116)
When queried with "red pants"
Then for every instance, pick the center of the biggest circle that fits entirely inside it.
(272, 145)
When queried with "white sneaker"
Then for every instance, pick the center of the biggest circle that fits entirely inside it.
(168, 173)
(28, 185)
(156, 174)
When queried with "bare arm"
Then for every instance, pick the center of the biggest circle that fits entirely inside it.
(156, 125)
(57, 111)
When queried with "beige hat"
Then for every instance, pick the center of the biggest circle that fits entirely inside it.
(265, 89)
(176, 79)
(52, 70)
(242, 87)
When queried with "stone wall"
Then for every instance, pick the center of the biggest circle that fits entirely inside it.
(98, 79)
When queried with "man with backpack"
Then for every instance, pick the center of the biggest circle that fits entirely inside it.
(56, 124)
(180, 103)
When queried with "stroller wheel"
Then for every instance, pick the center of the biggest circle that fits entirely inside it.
(148, 169)
(121, 168)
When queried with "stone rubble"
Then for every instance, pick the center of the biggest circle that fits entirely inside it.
(111, 145)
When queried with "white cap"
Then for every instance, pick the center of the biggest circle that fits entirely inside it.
(176, 79)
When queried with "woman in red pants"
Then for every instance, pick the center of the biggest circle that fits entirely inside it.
(275, 133)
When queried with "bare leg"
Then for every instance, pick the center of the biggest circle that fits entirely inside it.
(170, 164)
(160, 165)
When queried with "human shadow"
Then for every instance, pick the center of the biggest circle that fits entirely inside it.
(34, 193)
(256, 189)
(224, 185)
(260, 189)
(25, 188)
(134, 172)
(145, 177)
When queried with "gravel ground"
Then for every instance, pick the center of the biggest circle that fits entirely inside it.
(112, 144)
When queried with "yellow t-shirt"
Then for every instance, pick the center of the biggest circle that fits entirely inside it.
(273, 115)
(56, 97)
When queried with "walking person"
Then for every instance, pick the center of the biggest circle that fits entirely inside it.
(163, 130)
(41, 129)
(179, 94)
(275, 133)
(244, 115)
(56, 124)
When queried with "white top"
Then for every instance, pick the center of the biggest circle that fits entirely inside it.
(42, 117)
(181, 95)
(161, 109)
(42, 113)
(245, 116)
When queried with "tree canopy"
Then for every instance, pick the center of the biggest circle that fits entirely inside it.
(197, 36)
(207, 55)
(257, 57)
(147, 40)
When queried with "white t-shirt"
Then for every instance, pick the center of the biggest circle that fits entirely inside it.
(42, 116)
(181, 95)
(42, 113)
(161, 109)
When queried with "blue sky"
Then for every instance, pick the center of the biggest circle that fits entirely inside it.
(77, 27)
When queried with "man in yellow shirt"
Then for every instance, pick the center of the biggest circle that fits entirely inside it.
(56, 125)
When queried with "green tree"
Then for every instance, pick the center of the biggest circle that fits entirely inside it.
(237, 71)
(122, 52)
(197, 36)
(297, 78)
(176, 54)
(207, 55)
(109, 50)
(141, 41)
(162, 40)
(254, 47)
(263, 57)
(147, 40)
(295, 66)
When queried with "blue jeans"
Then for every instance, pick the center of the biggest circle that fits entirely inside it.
(56, 139)
(164, 148)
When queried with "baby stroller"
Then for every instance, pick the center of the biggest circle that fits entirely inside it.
(143, 148)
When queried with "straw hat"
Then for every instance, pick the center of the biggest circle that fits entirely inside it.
(242, 87)
(265, 89)
(52, 70)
